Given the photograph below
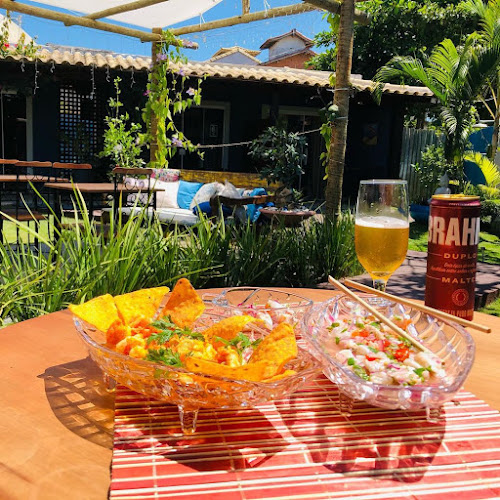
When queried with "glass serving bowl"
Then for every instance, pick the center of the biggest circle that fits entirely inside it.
(192, 391)
(448, 340)
(272, 306)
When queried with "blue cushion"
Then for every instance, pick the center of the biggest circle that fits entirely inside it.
(186, 193)
(203, 207)
(253, 211)
(207, 209)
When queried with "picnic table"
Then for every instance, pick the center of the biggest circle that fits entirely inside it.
(56, 421)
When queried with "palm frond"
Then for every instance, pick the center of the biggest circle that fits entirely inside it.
(488, 168)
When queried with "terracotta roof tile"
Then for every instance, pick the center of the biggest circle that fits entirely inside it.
(311, 78)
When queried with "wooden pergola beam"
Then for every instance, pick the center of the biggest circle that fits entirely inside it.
(119, 9)
(70, 20)
(334, 6)
(288, 10)
(244, 18)
(245, 6)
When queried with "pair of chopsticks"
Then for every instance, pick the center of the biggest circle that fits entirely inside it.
(391, 324)
(429, 310)
(380, 316)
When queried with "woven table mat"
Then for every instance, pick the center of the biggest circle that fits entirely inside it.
(302, 448)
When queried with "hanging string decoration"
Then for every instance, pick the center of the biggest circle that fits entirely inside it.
(92, 78)
(108, 77)
(35, 86)
(132, 81)
(169, 92)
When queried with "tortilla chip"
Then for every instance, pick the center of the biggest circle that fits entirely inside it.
(140, 303)
(254, 372)
(184, 305)
(276, 349)
(285, 374)
(100, 312)
(117, 332)
(227, 328)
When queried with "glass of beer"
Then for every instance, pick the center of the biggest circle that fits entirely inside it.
(382, 228)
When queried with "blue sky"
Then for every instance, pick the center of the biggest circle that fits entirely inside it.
(250, 35)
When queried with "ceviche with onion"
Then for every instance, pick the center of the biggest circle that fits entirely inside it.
(377, 354)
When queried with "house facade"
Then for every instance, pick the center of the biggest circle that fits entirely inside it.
(292, 50)
(54, 110)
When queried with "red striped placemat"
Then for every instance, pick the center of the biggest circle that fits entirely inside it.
(302, 448)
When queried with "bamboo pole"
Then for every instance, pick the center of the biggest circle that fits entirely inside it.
(119, 9)
(70, 20)
(245, 18)
(333, 6)
(245, 6)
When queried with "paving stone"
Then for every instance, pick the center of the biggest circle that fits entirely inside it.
(409, 280)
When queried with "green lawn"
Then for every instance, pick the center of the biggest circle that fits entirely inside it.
(489, 252)
(489, 244)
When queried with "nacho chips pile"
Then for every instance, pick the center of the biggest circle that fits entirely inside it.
(224, 349)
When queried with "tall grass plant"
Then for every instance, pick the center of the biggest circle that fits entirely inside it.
(84, 259)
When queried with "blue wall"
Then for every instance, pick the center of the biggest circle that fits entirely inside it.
(480, 140)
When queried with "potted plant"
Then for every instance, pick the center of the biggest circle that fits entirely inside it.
(281, 156)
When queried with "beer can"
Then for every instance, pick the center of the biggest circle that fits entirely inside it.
(452, 254)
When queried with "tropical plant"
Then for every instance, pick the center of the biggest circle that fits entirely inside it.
(456, 76)
(123, 140)
(489, 23)
(396, 27)
(282, 155)
(431, 167)
(167, 96)
(82, 261)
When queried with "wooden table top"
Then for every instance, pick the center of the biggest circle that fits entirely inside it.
(96, 187)
(56, 418)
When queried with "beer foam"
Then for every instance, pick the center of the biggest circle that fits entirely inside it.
(382, 222)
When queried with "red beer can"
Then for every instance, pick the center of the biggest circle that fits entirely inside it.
(452, 254)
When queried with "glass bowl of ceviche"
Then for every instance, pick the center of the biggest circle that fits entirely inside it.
(269, 305)
(371, 363)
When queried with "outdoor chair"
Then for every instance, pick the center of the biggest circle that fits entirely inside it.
(66, 172)
(20, 201)
(137, 180)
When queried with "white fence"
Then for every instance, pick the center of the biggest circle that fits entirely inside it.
(414, 143)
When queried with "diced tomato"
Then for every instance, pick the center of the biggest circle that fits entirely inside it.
(370, 358)
(383, 344)
(360, 333)
(402, 353)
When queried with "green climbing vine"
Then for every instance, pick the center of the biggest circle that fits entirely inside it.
(170, 92)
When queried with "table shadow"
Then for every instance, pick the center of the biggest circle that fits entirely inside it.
(381, 453)
(80, 401)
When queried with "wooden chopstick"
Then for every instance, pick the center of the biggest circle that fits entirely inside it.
(379, 315)
(420, 307)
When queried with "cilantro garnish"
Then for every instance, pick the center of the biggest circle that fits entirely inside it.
(168, 329)
(337, 340)
(373, 349)
(358, 370)
(375, 324)
(240, 342)
(165, 356)
(420, 371)
(333, 325)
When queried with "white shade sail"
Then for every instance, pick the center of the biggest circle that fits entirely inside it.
(160, 15)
